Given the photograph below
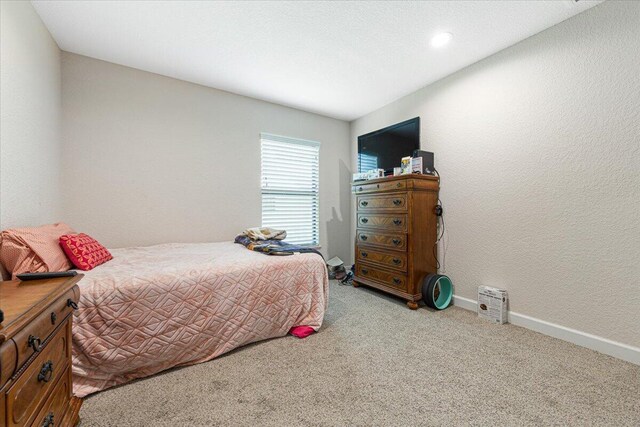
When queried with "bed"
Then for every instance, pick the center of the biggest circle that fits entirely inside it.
(154, 308)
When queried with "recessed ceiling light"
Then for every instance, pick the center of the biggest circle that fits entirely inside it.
(441, 39)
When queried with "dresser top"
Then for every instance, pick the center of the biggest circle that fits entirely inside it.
(398, 178)
(22, 301)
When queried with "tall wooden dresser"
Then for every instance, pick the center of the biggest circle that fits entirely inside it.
(35, 353)
(396, 234)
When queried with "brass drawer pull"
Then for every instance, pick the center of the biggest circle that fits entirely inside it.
(397, 221)
(46, 371)
(365, 271)
(397, 202)
(364, 220)
(364, 203)
(396, 261)
(71, 303)
(34, 343)
(48, 420)
(397, 281)
(396, 241)
(364, 254)
(363, 237)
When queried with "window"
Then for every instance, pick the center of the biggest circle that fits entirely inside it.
(290, 187)
(367, 162)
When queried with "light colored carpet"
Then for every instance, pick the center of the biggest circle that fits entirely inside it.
(375, 362)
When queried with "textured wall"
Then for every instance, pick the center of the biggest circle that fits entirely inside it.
(30, 113)
(539, 149)
(151, 159)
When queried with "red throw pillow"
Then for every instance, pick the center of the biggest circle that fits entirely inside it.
(84, 251)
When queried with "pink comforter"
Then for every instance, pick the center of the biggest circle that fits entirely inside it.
(157, 307)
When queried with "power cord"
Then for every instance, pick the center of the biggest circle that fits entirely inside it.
(439, 211)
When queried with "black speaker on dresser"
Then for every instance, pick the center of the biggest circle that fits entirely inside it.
(427, 161)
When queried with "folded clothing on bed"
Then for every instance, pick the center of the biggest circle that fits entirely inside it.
(264, 233)
(274, 247)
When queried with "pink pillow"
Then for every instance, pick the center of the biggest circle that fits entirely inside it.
(84, 251)
(34, 249)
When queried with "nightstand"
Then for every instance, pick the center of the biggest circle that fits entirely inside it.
(35, 352)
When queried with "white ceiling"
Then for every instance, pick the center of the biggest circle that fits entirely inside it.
(340, 59)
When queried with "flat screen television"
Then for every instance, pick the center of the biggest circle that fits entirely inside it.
(384, 148)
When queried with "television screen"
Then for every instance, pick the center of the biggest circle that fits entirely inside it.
(384, 148)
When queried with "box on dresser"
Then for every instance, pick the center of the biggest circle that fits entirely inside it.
(35, 352)
(396, 234)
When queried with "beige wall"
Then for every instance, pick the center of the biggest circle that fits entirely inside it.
(150, 159)
(539, 150)
(30, 114)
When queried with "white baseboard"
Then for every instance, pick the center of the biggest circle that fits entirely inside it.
(593, 342)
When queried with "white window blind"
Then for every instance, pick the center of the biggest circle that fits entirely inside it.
(290, 187)
(367, 162)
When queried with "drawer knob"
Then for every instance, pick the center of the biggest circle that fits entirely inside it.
(396, 241)
(398, 185)
(71, 303)
(363, 237)
(397, 281)
(397, 202)
(365, 271)
(396, 261)
(364, 203)
(46, 371)
(54, 317)
(359, 188)
(397, 221)
(364, 220)
(34, 343)
(377, 185)
(364, 254)
(48, 420)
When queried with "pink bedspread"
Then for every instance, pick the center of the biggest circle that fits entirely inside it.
(157, 307)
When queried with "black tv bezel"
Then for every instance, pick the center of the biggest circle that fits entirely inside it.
(388, 128)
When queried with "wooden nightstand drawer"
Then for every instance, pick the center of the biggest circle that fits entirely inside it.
(387, 278)
(382, 221)
(32, 386)
(388, 202)
(57, 404)
(35, 374)
(387, 259)
(38, 331)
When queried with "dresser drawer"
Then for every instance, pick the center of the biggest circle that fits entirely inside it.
(388, 222)
(32, 386)
(394, 280)
(387, 202)
(395, 260)
(8, 356)
(42, 326)
(386, 240)
(381, 186)
(56, 405)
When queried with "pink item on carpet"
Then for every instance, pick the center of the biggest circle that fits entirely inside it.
(301, 331)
